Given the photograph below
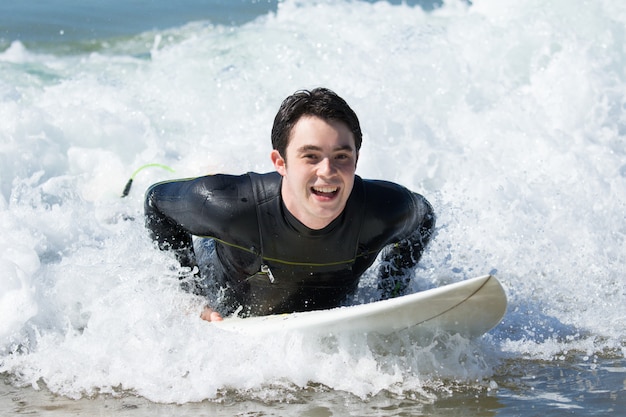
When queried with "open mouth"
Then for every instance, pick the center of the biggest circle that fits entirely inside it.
(326, 191)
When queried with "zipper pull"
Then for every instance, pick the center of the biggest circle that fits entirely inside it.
(266, 270)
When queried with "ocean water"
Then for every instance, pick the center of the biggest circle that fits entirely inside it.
(509, 116)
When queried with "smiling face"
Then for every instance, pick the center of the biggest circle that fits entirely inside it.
(318, 170)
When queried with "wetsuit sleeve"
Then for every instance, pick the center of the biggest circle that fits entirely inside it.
(402, 255)
(203, 206)
(167, 206)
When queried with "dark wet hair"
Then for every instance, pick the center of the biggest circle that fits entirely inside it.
(320, 102)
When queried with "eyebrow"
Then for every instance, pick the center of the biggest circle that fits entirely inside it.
(308, 148)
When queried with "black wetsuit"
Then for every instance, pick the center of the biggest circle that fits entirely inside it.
(271, 261)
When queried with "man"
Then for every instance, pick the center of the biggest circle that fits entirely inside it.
(299, 238)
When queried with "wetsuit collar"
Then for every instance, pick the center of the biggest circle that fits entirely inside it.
(299, 227)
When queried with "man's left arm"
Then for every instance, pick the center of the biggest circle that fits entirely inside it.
(398, 258)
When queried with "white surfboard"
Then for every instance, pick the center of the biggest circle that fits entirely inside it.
(469, 308)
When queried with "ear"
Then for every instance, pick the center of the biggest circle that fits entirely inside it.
(279, 162)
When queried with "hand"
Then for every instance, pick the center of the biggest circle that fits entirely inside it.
(209, 314)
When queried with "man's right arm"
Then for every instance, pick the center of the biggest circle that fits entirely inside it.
(171, 235)
(165, 207)
(218, 206)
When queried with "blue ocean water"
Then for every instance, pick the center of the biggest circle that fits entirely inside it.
(60, 21)
(508, 116)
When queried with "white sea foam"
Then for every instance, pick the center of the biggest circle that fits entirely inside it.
(509, 119)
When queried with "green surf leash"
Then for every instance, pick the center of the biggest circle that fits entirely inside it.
(141, 168)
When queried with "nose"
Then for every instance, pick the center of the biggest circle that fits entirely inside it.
(326, 168)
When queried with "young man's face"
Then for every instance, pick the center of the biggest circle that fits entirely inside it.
(318, 171)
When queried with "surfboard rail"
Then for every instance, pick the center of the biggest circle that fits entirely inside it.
(470, 308)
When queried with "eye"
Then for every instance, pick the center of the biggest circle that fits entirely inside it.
(343, 156)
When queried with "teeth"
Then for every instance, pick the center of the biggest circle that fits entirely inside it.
(325, 189)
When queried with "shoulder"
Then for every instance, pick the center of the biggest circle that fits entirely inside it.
(269, 179)
(395, 206)
(385, 194)
(214, 187)
(196, 194)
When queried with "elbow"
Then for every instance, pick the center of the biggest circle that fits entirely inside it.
(150, 200)
(152, 215)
